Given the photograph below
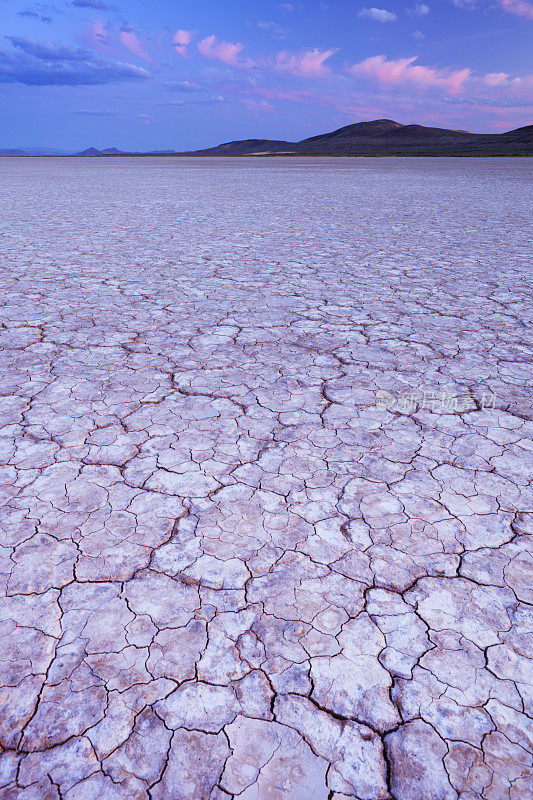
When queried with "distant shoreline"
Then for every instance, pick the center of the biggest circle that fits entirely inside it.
(274, 155)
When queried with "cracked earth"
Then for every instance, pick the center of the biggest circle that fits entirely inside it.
(227, 572)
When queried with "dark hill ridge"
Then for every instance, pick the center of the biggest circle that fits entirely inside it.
(376, 127)
(252, 146)
(384, 137)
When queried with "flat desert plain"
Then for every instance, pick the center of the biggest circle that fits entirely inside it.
(266, 454)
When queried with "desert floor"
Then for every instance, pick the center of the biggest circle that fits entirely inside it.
(264, 436)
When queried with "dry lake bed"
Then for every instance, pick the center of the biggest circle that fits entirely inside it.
(266, 458)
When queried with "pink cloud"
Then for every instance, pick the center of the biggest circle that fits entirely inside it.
(404, 71)
(130, 41)
(501, 125)
(98, 30)
(471, 114)
(308, 64)
(227, 52)
(281, 94)
(182, 40)
(332, 100)
(519, 85)
(259, 107)
(496, 78)
(97, 37)
(524, 84)
(521, 8)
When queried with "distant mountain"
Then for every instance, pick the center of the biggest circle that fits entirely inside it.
(92, 151)
(43, 151)
(384, 137)
(31, 151)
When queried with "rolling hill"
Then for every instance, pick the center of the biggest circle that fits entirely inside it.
(384, 137)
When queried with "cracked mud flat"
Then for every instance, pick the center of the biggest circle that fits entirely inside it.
(227, 572)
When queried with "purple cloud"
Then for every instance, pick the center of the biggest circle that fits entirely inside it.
(96, 4)
(51, 64)
(49, 51)
(34, 15)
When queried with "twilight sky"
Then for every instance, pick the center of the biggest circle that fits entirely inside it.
(180, 74)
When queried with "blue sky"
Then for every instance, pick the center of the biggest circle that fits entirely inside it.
(159, 74)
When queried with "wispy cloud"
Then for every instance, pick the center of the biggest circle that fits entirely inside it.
(32, 14)
(274, 28)
(405, 71)
(259, 107)
(418, 10)
(496, 78)
(181, 41)
(519, 83)
(87, 112)
(333, 100)
(96, 4)
(185, 86)
(205, 101)
(131, 42)
(227, 52)
(98, 37)
(308, 64)
(377, 14)
(521, 8)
